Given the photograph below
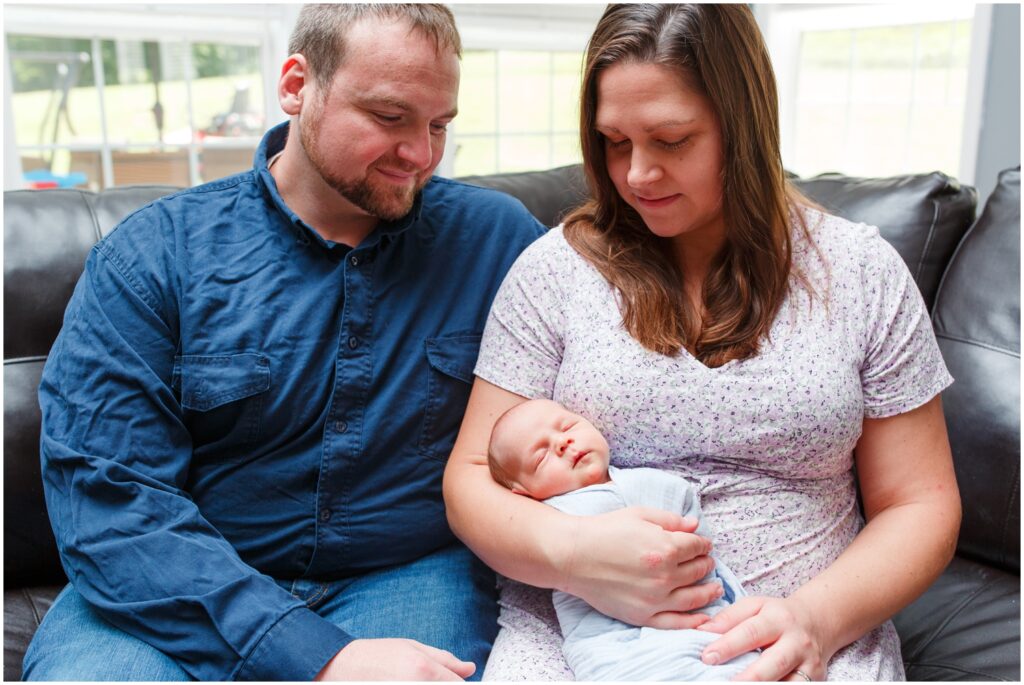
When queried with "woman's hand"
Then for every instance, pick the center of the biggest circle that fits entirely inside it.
(639, 565)
(785, 629)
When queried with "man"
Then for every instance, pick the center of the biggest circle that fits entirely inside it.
(247, 412)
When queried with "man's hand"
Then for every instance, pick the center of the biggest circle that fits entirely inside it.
(639, 565)
(394, 659)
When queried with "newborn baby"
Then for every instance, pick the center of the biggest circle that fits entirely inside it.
(542, 450)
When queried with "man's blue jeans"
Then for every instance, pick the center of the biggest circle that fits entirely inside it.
(446, 599)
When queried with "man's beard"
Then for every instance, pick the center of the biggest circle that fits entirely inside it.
(384, 201)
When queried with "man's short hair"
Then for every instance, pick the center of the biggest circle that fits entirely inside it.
(320, 31)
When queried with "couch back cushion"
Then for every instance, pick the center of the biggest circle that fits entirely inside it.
(977, 322)
(923, 216)
(46, 240)
(47, 236)
(549, 195)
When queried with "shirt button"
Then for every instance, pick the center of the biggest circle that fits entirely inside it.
(353, 342)
(325, 515)
(340, 426)
(353, 260)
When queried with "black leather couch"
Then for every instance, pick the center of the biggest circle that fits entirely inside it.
(966, 627)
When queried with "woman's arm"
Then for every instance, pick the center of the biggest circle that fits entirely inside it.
(636, 564)
(912, 508)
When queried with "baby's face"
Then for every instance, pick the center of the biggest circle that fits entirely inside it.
(550, 451)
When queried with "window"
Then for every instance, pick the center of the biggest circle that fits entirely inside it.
(518, 110)
(873, 91)
(518, 98)
(110, 95)
(97, 113)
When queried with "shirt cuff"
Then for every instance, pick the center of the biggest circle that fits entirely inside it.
(297, 647)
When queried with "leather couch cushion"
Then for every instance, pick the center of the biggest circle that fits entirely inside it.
(23, 610)
(112, 206)
(977, 323)
(549, 195)
(45, 246)
(30, 552)
(965, 627)
(922, 216)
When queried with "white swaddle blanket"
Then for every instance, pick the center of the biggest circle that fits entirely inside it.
(598, 647)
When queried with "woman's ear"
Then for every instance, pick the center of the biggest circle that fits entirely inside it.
(294, 85)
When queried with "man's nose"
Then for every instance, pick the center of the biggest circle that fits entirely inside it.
(416, 149)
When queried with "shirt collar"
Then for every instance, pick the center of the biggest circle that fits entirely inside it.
(273, 143)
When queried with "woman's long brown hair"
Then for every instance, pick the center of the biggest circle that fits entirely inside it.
(719, 50)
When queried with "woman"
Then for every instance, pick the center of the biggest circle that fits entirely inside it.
(711, 322)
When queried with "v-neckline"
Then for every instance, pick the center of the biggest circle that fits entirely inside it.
(704, 368)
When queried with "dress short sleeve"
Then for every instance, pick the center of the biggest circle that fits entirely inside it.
(903, 367)
(523, 340)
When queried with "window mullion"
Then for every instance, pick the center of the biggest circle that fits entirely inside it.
(193, 153)
(106, 159)
(497, 111)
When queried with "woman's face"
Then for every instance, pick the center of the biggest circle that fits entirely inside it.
(663, 145)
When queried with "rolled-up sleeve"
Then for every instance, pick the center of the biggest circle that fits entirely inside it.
(115, 457)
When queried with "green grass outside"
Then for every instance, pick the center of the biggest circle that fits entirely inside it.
(128, 109)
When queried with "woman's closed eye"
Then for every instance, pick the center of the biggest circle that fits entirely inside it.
(674, 144)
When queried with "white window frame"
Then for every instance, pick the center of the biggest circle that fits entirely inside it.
(782, 25)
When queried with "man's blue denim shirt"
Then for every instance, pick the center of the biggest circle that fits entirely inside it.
(232, 397)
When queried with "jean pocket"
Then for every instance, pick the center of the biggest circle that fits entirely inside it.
(450, 359)
(222, 398)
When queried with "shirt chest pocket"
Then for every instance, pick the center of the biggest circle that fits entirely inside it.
(222, 401)
(450, 361)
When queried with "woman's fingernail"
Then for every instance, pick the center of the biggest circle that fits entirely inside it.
(711, 658)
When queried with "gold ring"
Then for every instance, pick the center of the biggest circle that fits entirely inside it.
(802, 674)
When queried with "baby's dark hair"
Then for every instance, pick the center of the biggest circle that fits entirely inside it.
(499, 473)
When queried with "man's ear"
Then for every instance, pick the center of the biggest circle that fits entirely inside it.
(294, 85)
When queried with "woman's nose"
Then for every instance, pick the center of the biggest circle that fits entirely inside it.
(642, 171)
